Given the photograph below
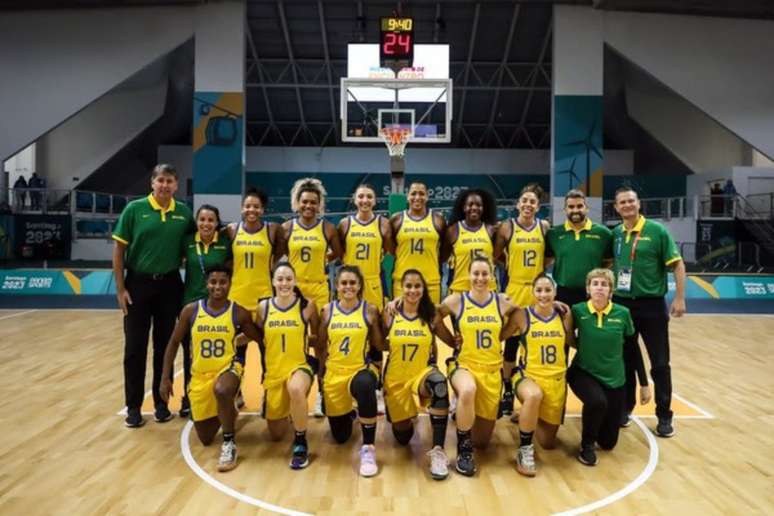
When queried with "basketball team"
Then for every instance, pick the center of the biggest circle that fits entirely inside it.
(509, 334)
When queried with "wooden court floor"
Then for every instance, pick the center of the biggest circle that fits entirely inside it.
(65, 450)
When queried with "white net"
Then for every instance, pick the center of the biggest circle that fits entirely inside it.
(395, 138)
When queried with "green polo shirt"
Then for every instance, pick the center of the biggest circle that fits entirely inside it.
(577, 252)
(655, 251)
(153, 236)
(601, 341)
(198, 258)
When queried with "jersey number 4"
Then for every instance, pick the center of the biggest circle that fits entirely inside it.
(344, 346)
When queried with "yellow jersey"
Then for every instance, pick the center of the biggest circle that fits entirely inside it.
(418, 243)
(285, 341)
(526, 250)
(251, 280)
(347, 338)
(470, 243)
(363, 246)
(307, 248)
(480, 327)
(212, 338)
(544, 344)
(411, 347)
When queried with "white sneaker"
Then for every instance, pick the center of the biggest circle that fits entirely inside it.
(525, 461)
(318, 406)
(439, 463)
(228, 456)
(380, 402)
(368, 467)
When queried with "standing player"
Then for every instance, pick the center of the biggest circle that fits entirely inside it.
(484, 320)
(470, 234)
(204, 249)
(540, 383)
(643, 251)
(287, 375)
(521, 241)
(309, 242)
(418, 232)
(348, 326)
(411, 370)
(216, 370)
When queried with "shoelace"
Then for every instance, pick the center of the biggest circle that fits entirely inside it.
(368, 456)
(438, 458)
(227, 451)
(527, 456)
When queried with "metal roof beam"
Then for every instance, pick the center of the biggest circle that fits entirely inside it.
(262, 82)
(471, 48)
(329, 71)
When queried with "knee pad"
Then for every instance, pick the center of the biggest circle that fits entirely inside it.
(403, 436)
(439, 390)
(363, 389)
(341, 428)
(511, 349)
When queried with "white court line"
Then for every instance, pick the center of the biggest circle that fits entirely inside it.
(633, 485)
(704, 413)
(220, 486)
(17, 314)
(149, 392)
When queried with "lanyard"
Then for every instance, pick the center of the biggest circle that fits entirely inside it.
(634, 248)
(200, 256)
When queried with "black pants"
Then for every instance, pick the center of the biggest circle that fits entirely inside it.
(571, 296)
(651, 320)
(154, 301)
(187, 362)
(602, 408)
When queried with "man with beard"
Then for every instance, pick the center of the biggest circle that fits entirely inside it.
(578, 246)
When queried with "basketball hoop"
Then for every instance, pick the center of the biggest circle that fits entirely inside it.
(395, 138)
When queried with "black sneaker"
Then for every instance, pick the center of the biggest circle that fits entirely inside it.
(134, 418)
(162, 414)
(466, 464)
(587, 455)
(664, 427)
(300, 458)
(185, 408)
(626, 420)
(506, 404)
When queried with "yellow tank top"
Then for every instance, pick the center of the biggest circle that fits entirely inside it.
(411, 345)
(525, 253)
(470, 243)
(285, 344)
(546, 352)
(347, 338)
(212, 338)
(418, 242)
(364, 246)
(252, 267)
(480, 327)
(306, 251)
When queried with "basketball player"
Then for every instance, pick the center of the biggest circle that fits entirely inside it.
(309, 241)
(411, 370)
(540, 382)
(470, 234)
(287, 375)
(418, 233)
(521, 244)
(482, 320)
(348, 326)
(216, 370)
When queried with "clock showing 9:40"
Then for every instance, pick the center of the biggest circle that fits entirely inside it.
(396, 42)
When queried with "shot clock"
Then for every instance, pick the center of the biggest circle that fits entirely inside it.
(396, 43)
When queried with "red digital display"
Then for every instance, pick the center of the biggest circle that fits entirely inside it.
(397, 44)
(396, 48)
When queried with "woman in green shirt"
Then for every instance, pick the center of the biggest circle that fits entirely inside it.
(596, 375)
(207, 247)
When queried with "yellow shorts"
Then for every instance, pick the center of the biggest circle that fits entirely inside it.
(520, 294)
(373, 294)
(336, 395)
(401, 397)
(276, 400)
(554, 395)
(201, 391)
(317, 292)
(489, 383)
(434, 289)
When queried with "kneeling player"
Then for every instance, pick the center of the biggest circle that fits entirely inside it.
(216, 368)
(411, 370)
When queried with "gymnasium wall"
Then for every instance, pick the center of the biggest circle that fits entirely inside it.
(55, 63)
(720, 65)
